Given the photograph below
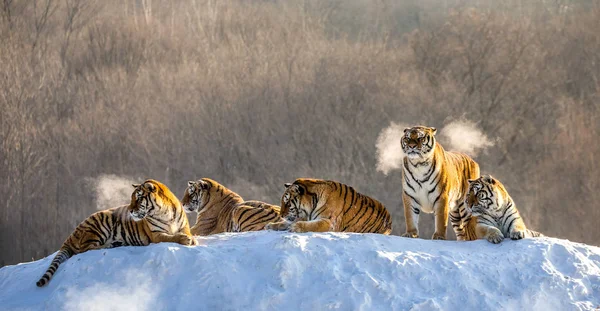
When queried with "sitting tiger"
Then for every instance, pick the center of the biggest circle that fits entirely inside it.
(434, 180)
(491, 213)
(154, 215)
(222, 210)
(315, 205)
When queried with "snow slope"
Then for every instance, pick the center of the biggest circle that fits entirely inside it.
(315, 271)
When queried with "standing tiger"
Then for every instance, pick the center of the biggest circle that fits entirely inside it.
(315, 205)
(222, 210)
(434, 180)
(493, 214)
(154, 215)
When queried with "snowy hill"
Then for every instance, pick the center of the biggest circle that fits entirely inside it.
(284, 271)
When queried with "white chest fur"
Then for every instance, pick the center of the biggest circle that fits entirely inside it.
(420, 183)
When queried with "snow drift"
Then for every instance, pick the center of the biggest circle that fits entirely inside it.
(315, 271)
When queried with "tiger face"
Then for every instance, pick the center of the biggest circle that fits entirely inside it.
(291, 203)
(143, 200)
(418, 142)
(196, 196)
(484, 196)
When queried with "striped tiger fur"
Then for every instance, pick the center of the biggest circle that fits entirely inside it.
(491, 213)
(222, 210)
(154, 215)
(315, 205)
(434, 180)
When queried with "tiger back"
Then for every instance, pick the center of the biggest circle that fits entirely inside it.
(316, 205)
(434, 181)
(491, 213)
(154, 215)
(222, 210)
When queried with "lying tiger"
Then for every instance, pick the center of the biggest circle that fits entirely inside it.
(154, 215)
(434, 181)
(322, 205)
(222, 210)
(493, 214)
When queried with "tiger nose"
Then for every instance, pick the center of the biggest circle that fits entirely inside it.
(412, 144)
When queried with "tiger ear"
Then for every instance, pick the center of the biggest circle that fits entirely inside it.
(301, 190)
(150, 186)
(287, 185)
(191, 183)
(489, 179)
(203, 184)
(406, 130)
(433, 130)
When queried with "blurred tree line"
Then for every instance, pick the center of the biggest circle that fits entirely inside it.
(257, 93)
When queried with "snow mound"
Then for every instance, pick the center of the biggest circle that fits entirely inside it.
(315, 271)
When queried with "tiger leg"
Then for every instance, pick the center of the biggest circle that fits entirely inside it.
(204, 226)
(282, 225)
(441, 218)
(469, 232)
(247, 218)
(411, 216)
(517, 230)
(91, 241)
(180, 238)
(318, 225)
(459, 218)
(247, 227)
(492, 234)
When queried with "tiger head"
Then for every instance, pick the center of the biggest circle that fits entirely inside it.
(197, 195)
(293, 200)
(486, 196)
(150, 198)
(418, 142)
(206, 194)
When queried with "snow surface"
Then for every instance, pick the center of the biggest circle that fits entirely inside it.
(315, 271)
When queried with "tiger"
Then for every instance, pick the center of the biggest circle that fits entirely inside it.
(154, 215)
(222, 210)
(491, 213)
(316, 205)
(434, 180)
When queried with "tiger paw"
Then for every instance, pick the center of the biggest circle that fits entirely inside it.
(297, 227)
(437, 236)
(187, 240)
(495, 237)
(412, 235)
(517, 235)
(277, 226)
